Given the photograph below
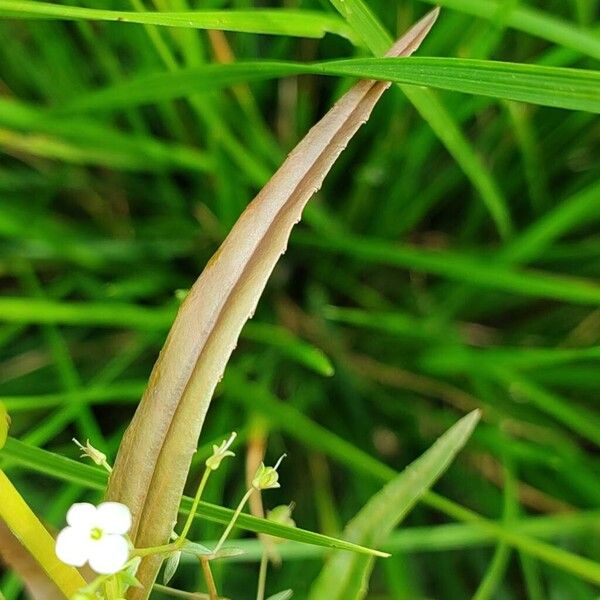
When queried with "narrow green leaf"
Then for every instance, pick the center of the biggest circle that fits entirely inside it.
(4, 424)
(300, 23)
(285, 595)
(345, 577)
(90, 477)
(533, 21)
(561, 87)
(359, 15)
(458, 266)
(132, 316)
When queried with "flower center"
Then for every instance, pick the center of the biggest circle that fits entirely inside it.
(96, 533)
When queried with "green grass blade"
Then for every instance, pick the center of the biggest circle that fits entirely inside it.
(574, 89)
(300, 23)
(459, 266)
(344, 577)
(65, 469)
(533, 21)
(131, 316)
(364, 22)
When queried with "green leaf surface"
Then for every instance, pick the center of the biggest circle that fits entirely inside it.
(131, 316)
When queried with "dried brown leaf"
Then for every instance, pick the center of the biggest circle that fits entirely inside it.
(155, 455)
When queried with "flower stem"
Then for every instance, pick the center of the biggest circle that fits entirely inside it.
(164, 549)
(208, 577)
(236, 514)
(190, 518)
(262, 576)
(176, 545)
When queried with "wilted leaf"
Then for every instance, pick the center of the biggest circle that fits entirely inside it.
(155, 455)
(346, 576)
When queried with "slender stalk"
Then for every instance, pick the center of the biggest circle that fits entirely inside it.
(236, 514)
(190, 518)
(262, 575)
(176, 545)
(169, 591)
(208, 577)
(164, 549)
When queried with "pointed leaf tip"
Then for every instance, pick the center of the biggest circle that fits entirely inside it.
(410, 41)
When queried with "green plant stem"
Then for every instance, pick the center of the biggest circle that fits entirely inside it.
(191, 514)
(210, 581)
(236, 514)
(262, 576)
(178, 543)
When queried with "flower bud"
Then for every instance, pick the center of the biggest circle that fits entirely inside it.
(220, 452)
(267, 478)
(90, 452)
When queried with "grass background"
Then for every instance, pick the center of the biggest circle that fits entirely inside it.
(449, 262)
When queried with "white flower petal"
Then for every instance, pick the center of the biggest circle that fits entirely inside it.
(113, 517)
(73, 546)
(81, 515)
(109, 554)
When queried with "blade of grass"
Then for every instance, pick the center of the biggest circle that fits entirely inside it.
(364, 22)
(577, 418)
(459, 267)
(533, 21)
(497, 568)
(574, 89)
(84, 141)
(301, 427)
(345, 576)
(131, 316)
(302, 23)
(58, 466)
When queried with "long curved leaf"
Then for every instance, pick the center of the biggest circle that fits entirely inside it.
(154, 458)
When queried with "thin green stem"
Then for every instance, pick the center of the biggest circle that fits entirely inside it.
(262, 576)
(192, 513)
(210, 580)
(236, 514)
(164, 549)
(176, 545)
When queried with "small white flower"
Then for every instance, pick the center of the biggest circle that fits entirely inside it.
(95, 535)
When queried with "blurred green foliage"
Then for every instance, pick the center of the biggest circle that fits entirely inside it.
(449, 262)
